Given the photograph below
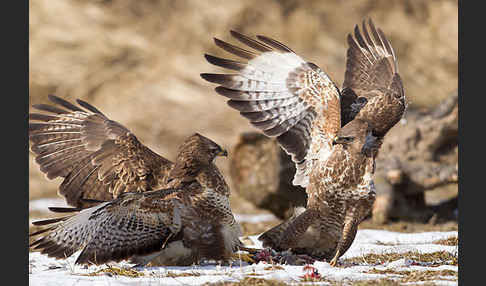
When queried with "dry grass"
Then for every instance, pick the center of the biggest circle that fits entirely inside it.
(438, 258)
(410, 226)
(417, 275)
(252, 281)
(453, 241)
(116, 271)
(274, 267)
(184, 274)
(379, 282)
(382, 282)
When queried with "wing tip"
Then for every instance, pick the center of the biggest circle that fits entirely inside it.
(216, 77)
(209, 77)
(48, 221)
(236, 34)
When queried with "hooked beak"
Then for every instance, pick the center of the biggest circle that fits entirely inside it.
(222, 153)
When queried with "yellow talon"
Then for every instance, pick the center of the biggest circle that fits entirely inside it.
(243, 256)
(333, 262)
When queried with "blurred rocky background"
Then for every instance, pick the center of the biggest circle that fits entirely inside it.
(139, 62)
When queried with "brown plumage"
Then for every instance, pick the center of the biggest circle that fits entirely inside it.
(98, 158)
(371, 79)
(340, 195)
(332, 136)
(180, 225)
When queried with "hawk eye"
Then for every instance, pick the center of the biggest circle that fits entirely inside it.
(361, 100)
(348, 139)
(342, 140)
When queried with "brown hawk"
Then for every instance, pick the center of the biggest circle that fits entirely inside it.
(331, 135)
(179, 225)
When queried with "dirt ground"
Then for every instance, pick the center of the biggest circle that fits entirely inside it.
(139, 62)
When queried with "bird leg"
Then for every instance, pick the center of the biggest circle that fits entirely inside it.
(335, 259)
(248, 249)
(247, 257)
(167, 239)
(298, 227)
(349, 232)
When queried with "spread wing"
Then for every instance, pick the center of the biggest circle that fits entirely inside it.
(97, 157)
(371, 82)
(132, 224)
(282, 95)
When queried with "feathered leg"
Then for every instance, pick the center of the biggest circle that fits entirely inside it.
(350, 228)
(354, 216)
(291, 232)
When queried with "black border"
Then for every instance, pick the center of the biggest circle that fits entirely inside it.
(469, 208)
(460, 196)
(15, 177)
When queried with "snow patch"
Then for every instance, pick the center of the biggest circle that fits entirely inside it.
(48, 271)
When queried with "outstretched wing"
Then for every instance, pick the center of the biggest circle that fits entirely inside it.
(132, 224)
(372, 85)
(282, 95)
(97, 157)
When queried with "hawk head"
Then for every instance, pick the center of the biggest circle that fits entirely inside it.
(202, 148)
(195, 154)
(355, 133)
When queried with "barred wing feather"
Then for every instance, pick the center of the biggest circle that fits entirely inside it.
(372, 76)
(97, 157)
(282, 95)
